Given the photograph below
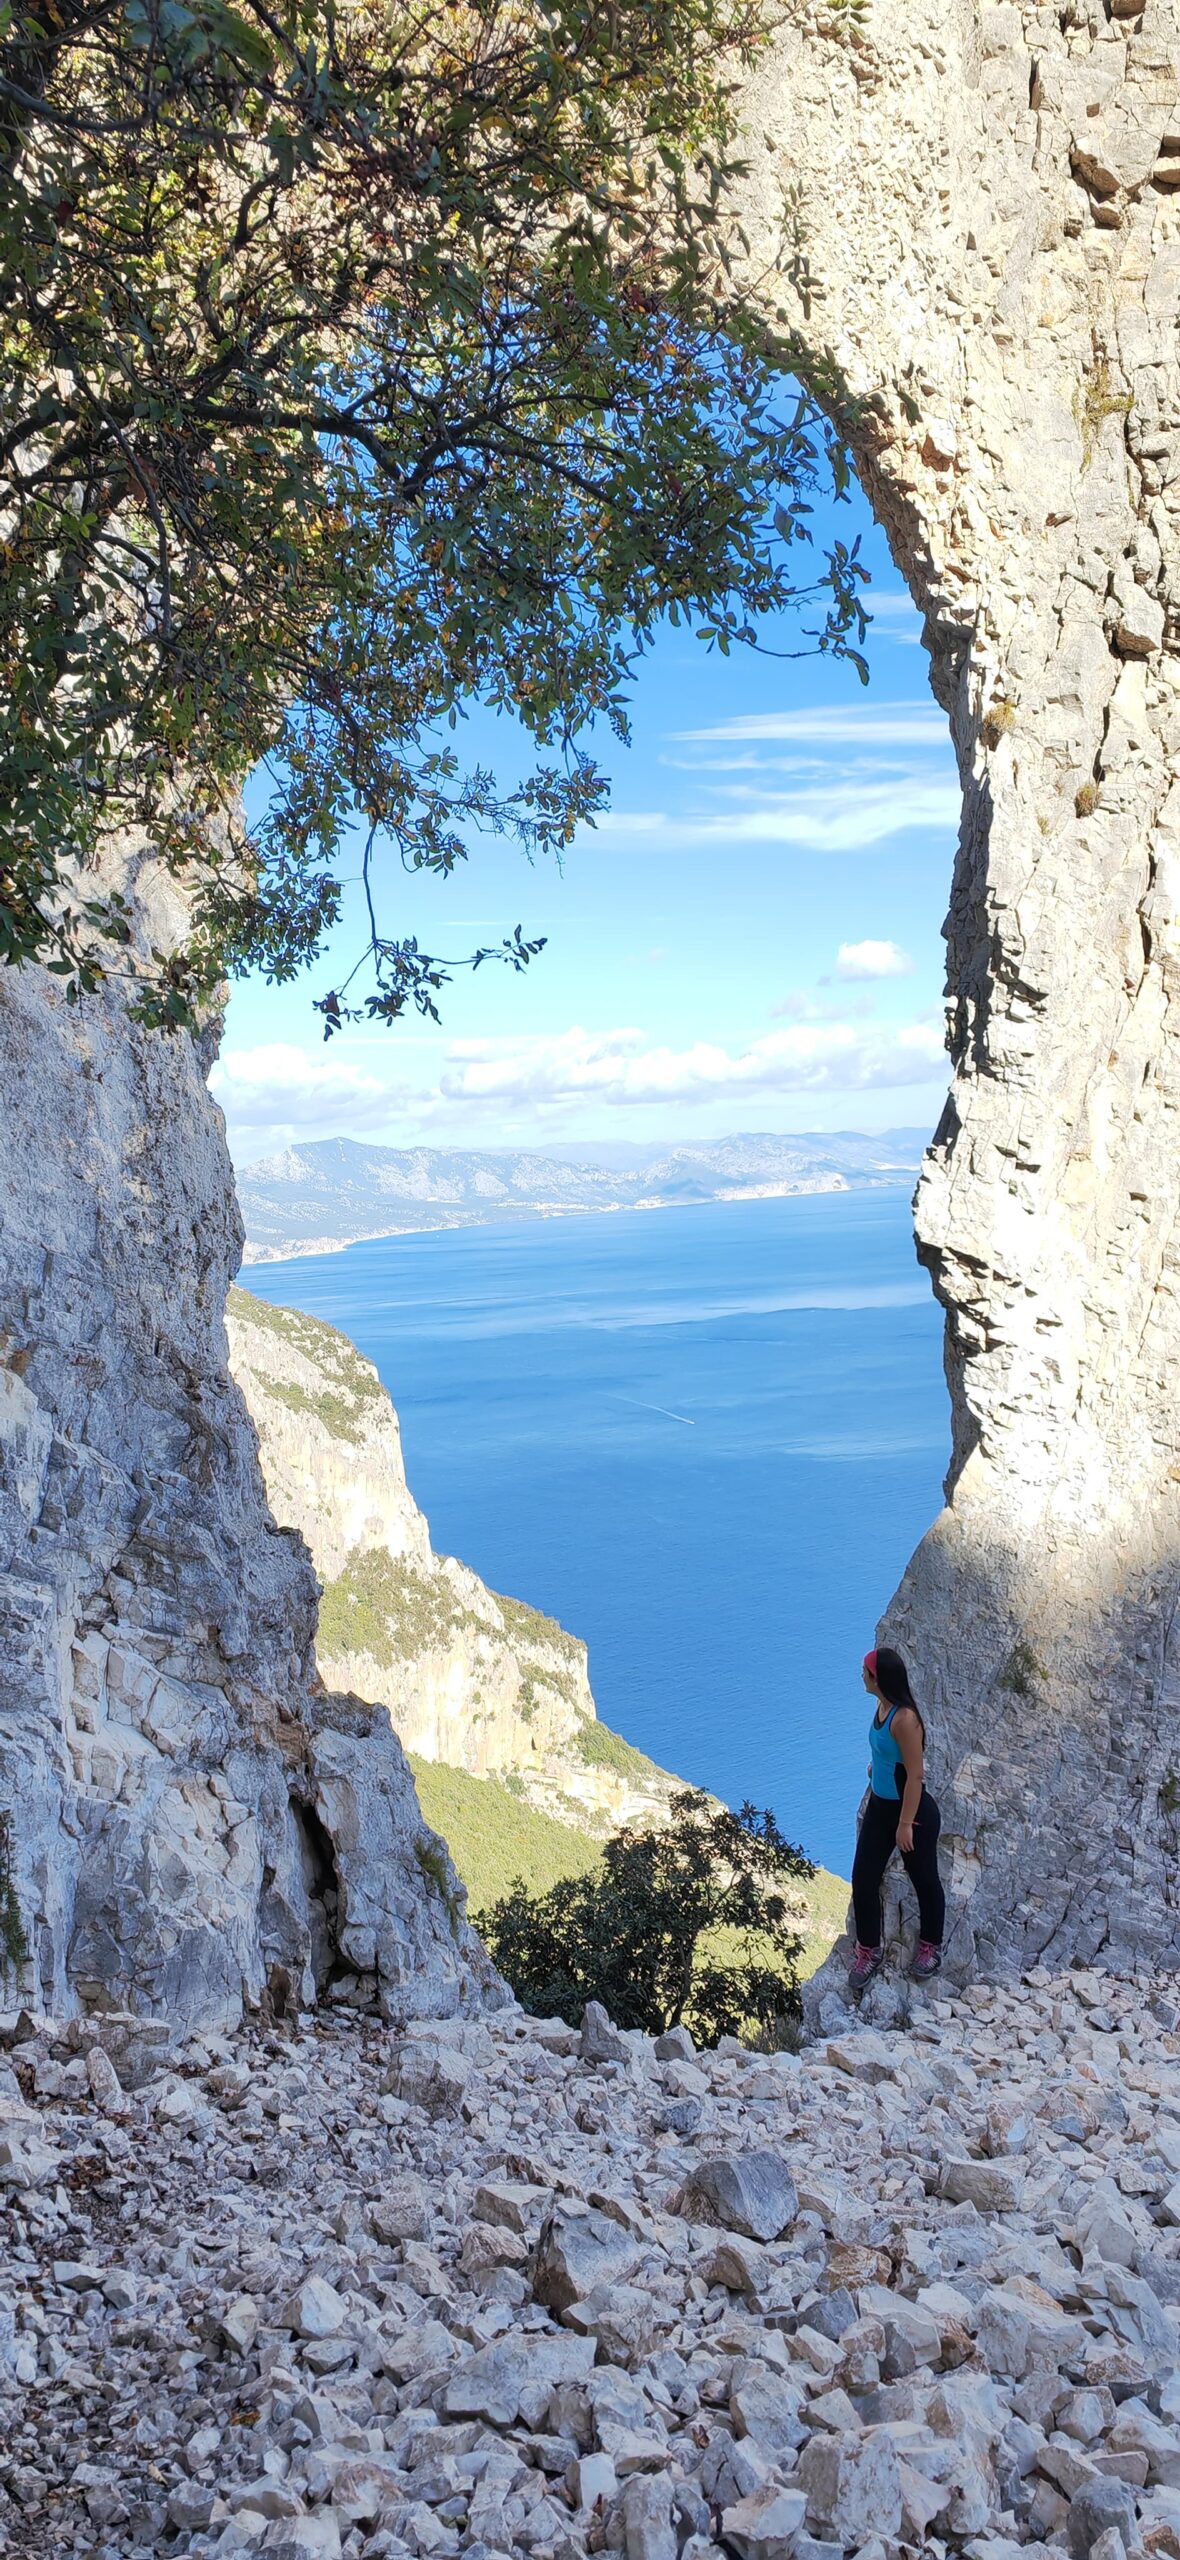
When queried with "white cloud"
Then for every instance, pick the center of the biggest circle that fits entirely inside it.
(620, 1068)
(877, 724)
(829, 778)
(292, 1092)
(855, 960)
(836, 817)
(516, 1089)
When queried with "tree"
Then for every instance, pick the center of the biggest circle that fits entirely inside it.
(358, 364)
(630, 1932)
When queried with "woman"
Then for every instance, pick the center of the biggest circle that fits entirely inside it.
(899, 1815)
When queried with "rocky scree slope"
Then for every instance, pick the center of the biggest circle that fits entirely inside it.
(492, 2287)
(471, 1678)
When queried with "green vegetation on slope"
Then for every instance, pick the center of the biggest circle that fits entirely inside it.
(351, 1389)
(600, 1748)
(526, 1628)
(383, 1607)
(493, 1838)
(386, 1608)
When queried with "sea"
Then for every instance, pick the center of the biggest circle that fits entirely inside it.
(704, 1439)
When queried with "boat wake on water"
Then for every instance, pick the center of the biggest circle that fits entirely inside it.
(669, 1416)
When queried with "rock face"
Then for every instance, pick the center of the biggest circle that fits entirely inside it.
(988, 203)
(192, 1818)
(328, 1437)
(470, 1678)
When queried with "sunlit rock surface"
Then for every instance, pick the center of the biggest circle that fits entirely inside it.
(194, 1822)
(988, 207)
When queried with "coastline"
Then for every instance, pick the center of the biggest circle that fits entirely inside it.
(718, 1574)
(503, 1214)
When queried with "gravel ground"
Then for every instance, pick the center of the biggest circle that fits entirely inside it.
(498, 2287)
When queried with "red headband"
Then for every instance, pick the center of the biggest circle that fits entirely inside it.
(871, 1663)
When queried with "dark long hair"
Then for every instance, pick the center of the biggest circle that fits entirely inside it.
(893, 1681)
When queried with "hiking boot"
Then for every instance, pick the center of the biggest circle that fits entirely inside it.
(866, 1962)
(927, 1961)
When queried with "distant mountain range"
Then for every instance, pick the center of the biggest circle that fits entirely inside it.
(318, 1198)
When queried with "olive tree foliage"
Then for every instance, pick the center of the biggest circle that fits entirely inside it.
(359, 362)
(638, 1932)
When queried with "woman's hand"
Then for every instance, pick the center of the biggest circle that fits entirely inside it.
(905, 1839)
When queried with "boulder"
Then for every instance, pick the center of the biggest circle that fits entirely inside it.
(579, 2250)
(648, 2530)
(767, 2408)
(863, 2053)
(514, 2202)
(764, 2525)
(239, 2323)
(682, 2116)
(1100, 2506)
(431, 2077)
(314, 2310)
(853, 2486)
(676, 2046)
(106, 2088)
(623, 2319)
(592, 2480)
(600, 2040)
(752, 2192)
(990, 2185)
(739, 2265)
(401, 2211)
(509, 2382)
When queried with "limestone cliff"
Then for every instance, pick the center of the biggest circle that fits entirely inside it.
(987, 207)
(193, 1818)
(469, 1677)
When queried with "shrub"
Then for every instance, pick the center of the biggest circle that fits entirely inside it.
(14, 1946)
(629, 1932)
(434, 1865)
(1021, 1672)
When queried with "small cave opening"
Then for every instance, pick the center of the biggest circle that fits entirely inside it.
(321, 1879)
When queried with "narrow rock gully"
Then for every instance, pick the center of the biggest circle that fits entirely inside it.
(492, 2286)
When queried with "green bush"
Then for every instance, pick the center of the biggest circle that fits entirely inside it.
(432, 1863)
(638, 1930)
(1020, 1672)
(527, 1628)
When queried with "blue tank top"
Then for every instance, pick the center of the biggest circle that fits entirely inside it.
(888, 1778)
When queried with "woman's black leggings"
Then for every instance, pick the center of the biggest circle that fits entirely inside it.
(875, 1843)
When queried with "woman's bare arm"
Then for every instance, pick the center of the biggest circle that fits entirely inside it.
(908, 1730)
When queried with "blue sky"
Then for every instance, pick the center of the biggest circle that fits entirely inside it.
(749, 940)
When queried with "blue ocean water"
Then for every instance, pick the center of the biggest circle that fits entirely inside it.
(705, 1439)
